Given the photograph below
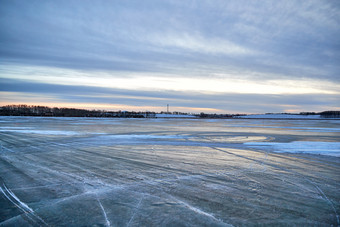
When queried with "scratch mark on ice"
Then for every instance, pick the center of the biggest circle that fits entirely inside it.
(103, 210)
(199, 211)
(330, 202)
(136, 209)
(196, 210)
(21, 205)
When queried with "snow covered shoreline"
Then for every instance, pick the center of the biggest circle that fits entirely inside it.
(285, 117)
(174, 116)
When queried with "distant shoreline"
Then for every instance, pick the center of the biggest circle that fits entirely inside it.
(179, 118)
(44, 111)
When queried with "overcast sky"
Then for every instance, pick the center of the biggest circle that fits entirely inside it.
(198, 56)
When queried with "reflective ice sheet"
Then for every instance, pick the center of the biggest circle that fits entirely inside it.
(168, 172)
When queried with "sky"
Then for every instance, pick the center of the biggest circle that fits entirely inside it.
(212, 56)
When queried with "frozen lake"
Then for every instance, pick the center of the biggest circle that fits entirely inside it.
(168, 172)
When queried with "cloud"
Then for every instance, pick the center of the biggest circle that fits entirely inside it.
(220, 83)
(197, 44)
(291, 38)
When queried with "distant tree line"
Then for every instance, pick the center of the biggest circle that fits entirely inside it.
(324, 114)
(308, 113)
(27, 110)
(330, 114)
(31, 110)
(205, 115)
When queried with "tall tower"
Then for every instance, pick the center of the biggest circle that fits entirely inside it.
(167, 108)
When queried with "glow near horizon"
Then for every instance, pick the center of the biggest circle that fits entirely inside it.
(149, 81)
(142, 81)
(50, 101)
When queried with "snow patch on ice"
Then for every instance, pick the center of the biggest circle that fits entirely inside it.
(136, 136)
(310, 147)
(43, 132)
(314, 129)
(14, 128)
(109, 139)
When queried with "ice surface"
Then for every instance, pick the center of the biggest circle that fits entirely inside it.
(168, 172)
